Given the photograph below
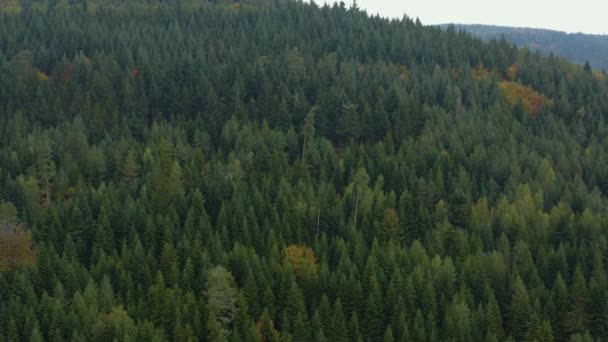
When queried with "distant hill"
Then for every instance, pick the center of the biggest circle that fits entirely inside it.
(576, 47)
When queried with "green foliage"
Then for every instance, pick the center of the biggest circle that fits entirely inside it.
(114, 325)
(221, 303)
(277, 170)
(521, 311)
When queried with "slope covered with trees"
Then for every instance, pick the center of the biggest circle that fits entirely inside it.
(576, 47)
(279, 171)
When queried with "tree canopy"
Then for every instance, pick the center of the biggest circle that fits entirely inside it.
(179, 170)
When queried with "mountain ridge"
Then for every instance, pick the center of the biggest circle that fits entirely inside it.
(577, 47)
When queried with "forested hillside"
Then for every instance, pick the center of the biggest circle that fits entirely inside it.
(178, 170)
(576, 47)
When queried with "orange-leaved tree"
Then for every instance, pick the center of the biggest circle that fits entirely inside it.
(532, 101)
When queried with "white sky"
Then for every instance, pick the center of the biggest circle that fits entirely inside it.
(587, 16)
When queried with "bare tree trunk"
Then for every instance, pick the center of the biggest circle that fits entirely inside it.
(356, 208)
(318, 220)
(47, 194)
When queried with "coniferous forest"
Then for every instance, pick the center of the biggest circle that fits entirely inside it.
(179, 170)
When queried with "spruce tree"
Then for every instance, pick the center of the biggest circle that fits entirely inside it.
(521, 311)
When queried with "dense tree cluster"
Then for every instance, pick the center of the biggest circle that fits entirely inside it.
(281, 171)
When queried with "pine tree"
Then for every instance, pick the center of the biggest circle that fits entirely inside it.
(374, 312)
(359, 183)
(521, 311)
(458, 321)
(308, 131)
(36, 335)
(295, 305)
(494, 318)
(576, 319)
(349, 124)
(418, 329)
(542, 332)
(388, 335)
(45, 167)
(104, 235)
(324, 312)
(598, 309)
(130, 172)
(353, 328)
(560, 298)
(12, 333)
(338, 331)
(267, 330)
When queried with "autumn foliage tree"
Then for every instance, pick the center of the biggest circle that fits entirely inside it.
(532, 100)
(16, 248)
(302, 260)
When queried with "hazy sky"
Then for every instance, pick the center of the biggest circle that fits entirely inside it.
(588, 16)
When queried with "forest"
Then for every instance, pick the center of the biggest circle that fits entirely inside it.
(578, 48)
(184, 170)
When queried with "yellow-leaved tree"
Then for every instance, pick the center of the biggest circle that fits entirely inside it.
(532, 101)
(16, 248)
(302, 260)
